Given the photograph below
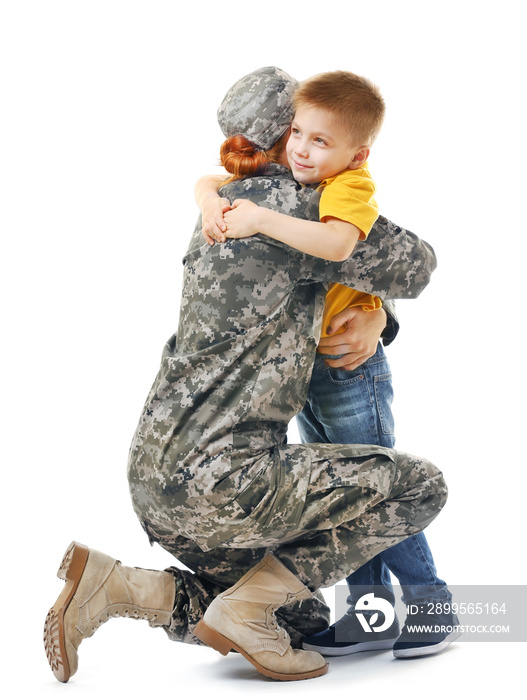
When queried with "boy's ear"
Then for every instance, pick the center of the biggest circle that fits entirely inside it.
(360, 157)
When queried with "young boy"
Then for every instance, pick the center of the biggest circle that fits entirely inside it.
(337, 118)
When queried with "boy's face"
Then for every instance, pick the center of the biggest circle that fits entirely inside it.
(319, 146)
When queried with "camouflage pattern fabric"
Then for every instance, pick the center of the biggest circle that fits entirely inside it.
(259, 106)
(211, 475)
(220, 569)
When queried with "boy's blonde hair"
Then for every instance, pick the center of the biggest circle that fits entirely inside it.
(355, 101)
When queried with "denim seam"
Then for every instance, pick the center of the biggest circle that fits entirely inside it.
(385, 427)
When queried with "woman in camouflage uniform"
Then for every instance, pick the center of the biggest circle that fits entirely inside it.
(211, 476)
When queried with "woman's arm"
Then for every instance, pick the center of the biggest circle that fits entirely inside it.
(332, 239)
(393, 263)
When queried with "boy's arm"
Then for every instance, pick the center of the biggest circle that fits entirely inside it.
(332, 239)
(212, 207)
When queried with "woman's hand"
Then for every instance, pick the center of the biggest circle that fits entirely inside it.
(242, 220)
(359, 340)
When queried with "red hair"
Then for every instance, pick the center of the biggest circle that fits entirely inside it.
(242, 158)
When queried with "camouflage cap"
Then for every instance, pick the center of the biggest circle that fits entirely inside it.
(259, 106)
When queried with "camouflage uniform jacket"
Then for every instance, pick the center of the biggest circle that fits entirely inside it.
(210, 447)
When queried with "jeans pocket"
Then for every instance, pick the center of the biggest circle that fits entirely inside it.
(344, 376)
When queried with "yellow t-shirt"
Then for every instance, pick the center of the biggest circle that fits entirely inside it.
(349, 196)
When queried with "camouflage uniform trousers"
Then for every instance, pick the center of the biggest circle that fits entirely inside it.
(352, 509)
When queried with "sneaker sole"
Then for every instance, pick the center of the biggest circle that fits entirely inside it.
(428, 650)
(70, 570)
(381, 645)
(217, 641)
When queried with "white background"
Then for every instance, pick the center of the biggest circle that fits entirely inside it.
(107, 119)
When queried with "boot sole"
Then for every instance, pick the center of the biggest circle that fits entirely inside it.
(70, 570)
(359, 647)
(217, 641)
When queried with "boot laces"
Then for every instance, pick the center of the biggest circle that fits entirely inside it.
(273, 624)
(135, 614)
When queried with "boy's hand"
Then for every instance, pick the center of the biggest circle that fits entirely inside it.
(212, 219)
(242, 219)
(359, 340)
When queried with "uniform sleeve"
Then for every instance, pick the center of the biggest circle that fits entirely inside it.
(392, 323)
(392, 264)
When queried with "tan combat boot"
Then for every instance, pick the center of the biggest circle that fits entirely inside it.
(243, 618)
(97, 588)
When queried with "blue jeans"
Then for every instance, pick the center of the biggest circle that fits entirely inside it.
(356, 407)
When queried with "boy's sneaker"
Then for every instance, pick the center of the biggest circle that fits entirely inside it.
(346, 636)
(424, 634)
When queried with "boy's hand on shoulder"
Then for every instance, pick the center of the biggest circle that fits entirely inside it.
(212, 219)
(242, 219)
